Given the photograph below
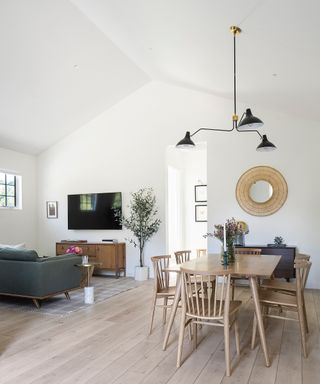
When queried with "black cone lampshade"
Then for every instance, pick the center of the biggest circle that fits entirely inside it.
(250, 121)
(186, 142)
(265, 145)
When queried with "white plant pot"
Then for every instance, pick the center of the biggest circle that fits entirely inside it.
(141, 273)
(89, 295)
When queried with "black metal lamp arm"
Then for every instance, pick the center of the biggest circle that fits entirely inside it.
(212, 129)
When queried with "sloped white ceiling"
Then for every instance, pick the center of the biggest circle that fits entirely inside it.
(188, 42)
(64, 62)
(57, 72)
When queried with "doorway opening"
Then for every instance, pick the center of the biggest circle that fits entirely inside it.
(186, 202)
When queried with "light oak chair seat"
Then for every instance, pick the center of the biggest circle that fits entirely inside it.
(168, 291)
(277, 299)
(278, 285)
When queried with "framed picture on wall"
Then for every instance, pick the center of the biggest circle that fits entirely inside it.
(201, 213)
(52, 209)
(200, 193)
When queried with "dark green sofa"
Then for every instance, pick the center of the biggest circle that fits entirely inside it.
(23, 273)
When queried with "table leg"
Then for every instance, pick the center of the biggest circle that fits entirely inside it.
(174, 307)
(88, 277)
(257, 307)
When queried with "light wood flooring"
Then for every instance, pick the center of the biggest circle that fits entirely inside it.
(108, 343)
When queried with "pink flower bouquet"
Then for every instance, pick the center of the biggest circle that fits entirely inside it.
(73, 249)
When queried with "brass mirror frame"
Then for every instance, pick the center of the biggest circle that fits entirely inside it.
(270, 175)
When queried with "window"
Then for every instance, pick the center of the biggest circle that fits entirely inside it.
(8, 190)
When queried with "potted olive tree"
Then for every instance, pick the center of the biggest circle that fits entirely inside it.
(143, 223)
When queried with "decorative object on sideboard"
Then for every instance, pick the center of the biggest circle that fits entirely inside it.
(247, 123)
(74, 249)
(277, 242)
(240, 237)
(257, 201)
(142, 221)
(52, 209)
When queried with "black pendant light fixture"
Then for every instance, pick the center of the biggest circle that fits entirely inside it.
(247, 123)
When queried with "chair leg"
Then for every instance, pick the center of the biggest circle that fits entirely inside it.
(181, 336)
(236, 331)
(165, 303)
(254, 331)
(232, 291)
(305, 315)
(152, 311)
(227, 347)
(302, 331)
(195, 329)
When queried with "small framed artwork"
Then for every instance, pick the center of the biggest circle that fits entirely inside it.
(200, 193)
(201, 213)
(52, 209)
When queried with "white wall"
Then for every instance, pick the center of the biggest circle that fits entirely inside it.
(296, 158)
(124, 149)
(19, 225)
(121, 150)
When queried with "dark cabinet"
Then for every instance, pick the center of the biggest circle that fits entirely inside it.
(285, 267)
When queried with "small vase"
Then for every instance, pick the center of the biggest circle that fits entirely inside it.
(230, 253)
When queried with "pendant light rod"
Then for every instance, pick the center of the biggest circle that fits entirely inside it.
(235, 31)
(247, 123)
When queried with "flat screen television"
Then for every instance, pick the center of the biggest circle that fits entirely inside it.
(95, 211)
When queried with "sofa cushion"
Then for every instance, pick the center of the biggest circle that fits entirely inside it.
(18, 254)
(17, 246)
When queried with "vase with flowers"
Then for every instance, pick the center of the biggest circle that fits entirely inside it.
(75, 250)
(231, 229)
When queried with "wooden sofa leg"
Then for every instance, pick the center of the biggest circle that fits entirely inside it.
(67, 295)
(36, 303)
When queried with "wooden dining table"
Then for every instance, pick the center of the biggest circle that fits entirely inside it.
(251, 267)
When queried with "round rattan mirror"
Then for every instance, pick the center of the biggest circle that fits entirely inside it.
(278, 188)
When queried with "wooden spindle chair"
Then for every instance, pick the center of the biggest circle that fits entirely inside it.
(182, 256)
(290, 287)
(214, 309)
(271, 299)
(243, 251)
(162, 289)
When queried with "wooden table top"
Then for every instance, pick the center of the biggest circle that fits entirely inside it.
(245, 265)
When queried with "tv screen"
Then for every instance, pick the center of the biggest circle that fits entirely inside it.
(95, 211)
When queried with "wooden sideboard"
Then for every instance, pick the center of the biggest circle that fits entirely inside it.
(285, 267)
(111, 256)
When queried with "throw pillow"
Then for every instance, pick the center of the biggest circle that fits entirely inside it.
(18, 254)
(17, 246)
